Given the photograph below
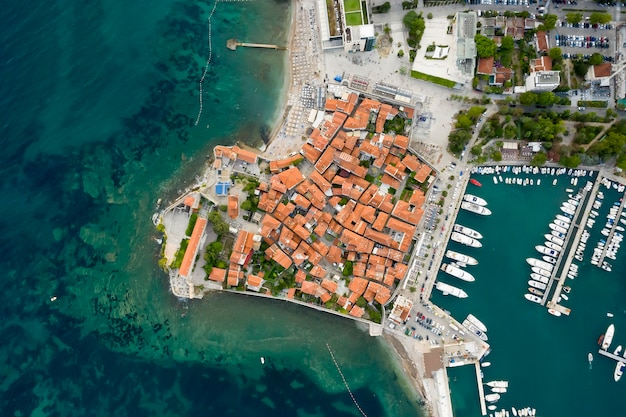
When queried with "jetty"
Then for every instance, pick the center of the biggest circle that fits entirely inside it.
(613, 229)
(611, 355)
(481, 389)
(576, 230)
(232, 44)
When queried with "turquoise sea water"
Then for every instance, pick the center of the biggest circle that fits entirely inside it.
(543, 357)
(99, 101)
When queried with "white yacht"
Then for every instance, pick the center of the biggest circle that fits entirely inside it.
(465, 240)
(474, 208)
(498, 384)
(473, 199)
(492, 398)
(457, 272)
(537, 284)
(540, 271)
(467, 231)
(459, 257)
(469, 326)
(557, 228)
(533, 298)
(447, 289)
(540, 278)
(608, 337)
(541, 264)
(553, 239)
(553, 246)
(563, 218)
(479, 324)
(619, 370)
(546, 251)
(499, 390)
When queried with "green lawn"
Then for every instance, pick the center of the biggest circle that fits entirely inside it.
(354, 19)
(352, 5)
(433, 79)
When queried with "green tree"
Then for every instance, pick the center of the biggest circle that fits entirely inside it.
(580, 67)
(528, 98)
(221, 228)
(192, 222)
(508, 43)
(400, 53)
(556, 54)
(429, 16)
(246, 205)
(546, 99)
(496, 156)
(599, 17)
(476, 150)
(485, 47)
(550, 21)
(574, 17)
(570, 161)
(464, 122)
(347, 269)
(595, 59)
(539, 159)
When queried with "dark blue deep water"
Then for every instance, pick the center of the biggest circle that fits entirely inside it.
(98, 107)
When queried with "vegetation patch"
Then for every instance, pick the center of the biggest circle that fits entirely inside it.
(353, 19)
(594, 103)
(351, 5)
(431, 78)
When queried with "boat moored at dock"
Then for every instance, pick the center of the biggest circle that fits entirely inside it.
(474, 199)
(619, 370)
(546, 251)
(474, 208)
(540, 278)
(498, 384)
(551, 238)
(479, 324)
(541, 264)
(608, 337)
(457, 272)
(467, 231)
(465, 240)
(540, 271)
(459, 257)
(447, 289)
(533, 298)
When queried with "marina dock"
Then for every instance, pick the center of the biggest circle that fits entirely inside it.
(232, 44)
(610, 355)
(578, 219)
(481, 389)
(612, 232)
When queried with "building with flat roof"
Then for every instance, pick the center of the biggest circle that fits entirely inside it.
(543, 81)
(466, 24)
(359, 38)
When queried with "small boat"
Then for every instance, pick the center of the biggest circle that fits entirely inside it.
(499, 390)
(617, 350)
(540, 278)
(554, 312)
(554, 181)
(566, 290)
(495, 384)
(533, 298)
(485, 364)
(475, 199)
(492, 398)
(609, 314)
(491, 407)
(608, 337)
(619, 370)
(475, 182)
(513, 409)
(536, 284)
(535, 291)
(565, 297)
(262, 360)
(590, 357)
(540, 271)
(600, 339)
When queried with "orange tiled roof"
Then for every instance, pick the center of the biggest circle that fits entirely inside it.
(357, 311)
(290, 177)
(411, 162)
(217, 274)
(254, 281)
(423, 173)
(401, 142)
(485, 65)
(407, 212)
(309, 287)
(192, 248)
(329, 285)
(310, 153)
(276, 166)
(233, 206)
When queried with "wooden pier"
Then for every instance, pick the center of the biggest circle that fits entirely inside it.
(616, 223)
(577, 221)
(610, 355)
(232, 44)
(481, 389)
